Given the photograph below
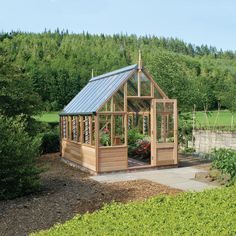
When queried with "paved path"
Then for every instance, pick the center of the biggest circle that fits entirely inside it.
(181, 178)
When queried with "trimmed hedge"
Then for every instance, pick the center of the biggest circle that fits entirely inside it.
(211, 212)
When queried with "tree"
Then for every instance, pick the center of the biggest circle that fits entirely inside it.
(16, 91)
(18, 151)
(228, 99)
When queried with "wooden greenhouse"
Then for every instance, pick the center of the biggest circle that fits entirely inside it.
(98, 124)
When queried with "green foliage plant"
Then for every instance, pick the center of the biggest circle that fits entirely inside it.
(211, 212)
(225, 160)
(19, 174)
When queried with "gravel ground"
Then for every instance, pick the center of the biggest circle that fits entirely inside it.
(67, 191)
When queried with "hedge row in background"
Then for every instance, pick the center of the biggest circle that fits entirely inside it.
(211, 212)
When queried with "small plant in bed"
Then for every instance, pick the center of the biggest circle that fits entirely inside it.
(139, 145)
(105, 137)
(225, 161)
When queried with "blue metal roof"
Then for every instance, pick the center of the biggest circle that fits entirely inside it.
(98, 90)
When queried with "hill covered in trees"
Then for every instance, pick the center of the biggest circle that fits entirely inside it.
(53, 67)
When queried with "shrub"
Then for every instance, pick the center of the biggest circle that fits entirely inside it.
(18, 151)
(133, 136)
(50, 142)
(210, 212)
(139, 145)
(143, 148)
(225, 160)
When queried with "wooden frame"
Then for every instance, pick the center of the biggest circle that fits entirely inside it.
(97, 158)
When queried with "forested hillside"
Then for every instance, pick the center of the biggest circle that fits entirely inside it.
(54, 67)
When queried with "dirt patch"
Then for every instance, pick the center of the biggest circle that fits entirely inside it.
(186, 160)
(68, 191)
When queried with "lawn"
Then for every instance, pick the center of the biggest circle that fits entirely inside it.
(224, 118)
(48, 117)
(211, 212)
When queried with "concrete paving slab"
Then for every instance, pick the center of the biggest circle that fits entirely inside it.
(181, 178)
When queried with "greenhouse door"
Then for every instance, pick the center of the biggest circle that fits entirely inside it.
(164, 126)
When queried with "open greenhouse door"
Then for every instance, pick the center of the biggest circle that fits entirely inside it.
(164, 132)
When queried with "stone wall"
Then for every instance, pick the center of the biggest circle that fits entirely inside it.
(205, 140)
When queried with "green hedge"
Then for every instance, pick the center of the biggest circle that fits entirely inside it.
(225, 160)
(50, 142)
(211, 212)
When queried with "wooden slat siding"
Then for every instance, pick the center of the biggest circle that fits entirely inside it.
(166, 163)
(165, 145)
(79, 153)
(165, 154)
(112, 159)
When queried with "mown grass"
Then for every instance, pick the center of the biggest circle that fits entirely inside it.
(48, 117)
(211, 212)
(223, 120)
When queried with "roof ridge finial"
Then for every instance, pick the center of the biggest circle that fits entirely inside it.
(139, 60)
(92, 73)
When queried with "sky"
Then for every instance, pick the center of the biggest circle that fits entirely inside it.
(211, 22)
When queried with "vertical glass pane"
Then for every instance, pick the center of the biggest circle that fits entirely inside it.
(118, 100)
(157, 94)
(74, 128)
(138, 105)
(130, 122)
(145, 86)
(119, 130)
(116, 103)
(106, 107)
(105, 130)
(165, 123)
(146, 127)
(86, 129)
(132, 86)
(93, 131)
(69, 127)
(64, 126)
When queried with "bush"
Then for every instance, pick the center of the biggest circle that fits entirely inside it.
(133, 136)
(142, 150)
(210, 212)
(139, 145)
(18, 151)
(225, 160)
(50, 142)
